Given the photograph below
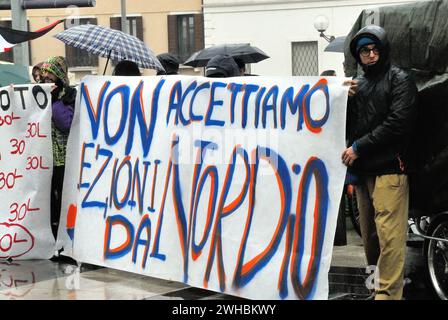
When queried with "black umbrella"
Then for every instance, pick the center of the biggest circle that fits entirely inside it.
(337, 45)
(243, 51)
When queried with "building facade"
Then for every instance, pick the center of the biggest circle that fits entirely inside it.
(164, 25)
(284, 29)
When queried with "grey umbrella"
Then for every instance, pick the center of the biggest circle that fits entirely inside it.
(337, 45)
(111, 44)
(243, 51)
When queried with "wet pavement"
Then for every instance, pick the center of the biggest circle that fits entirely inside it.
(63, 280)
(348, 275)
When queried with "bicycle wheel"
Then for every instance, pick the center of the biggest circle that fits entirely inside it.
(437, 260)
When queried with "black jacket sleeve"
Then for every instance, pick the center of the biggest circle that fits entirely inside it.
(400, 119)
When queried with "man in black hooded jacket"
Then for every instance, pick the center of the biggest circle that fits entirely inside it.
(380, 117)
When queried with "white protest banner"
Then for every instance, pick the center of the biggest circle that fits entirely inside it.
(227, 184)
(26, 166)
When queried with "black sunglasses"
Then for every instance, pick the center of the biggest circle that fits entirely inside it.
(365, 52)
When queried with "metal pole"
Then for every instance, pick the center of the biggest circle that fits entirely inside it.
(47, 4)
(19, 22)
(124, 23)
(44, 4)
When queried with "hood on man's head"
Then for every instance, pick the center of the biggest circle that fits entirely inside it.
(377, 35)
(222, 66)
(365, 41)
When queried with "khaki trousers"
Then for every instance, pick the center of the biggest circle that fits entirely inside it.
(383, 213)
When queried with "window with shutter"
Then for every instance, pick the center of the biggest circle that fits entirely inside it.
(173, 42)
(304, 58)
(135, 27)
(185, 29)
(81, 58)
(185, 34)
(198, 32)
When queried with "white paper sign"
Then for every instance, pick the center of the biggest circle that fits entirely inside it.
(227, 184)
(26, 166)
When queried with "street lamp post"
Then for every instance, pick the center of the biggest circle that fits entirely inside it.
(321, 25)
(19, 22)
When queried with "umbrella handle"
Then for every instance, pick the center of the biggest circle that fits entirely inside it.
(107, 62)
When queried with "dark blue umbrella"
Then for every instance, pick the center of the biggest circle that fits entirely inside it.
(337, 45)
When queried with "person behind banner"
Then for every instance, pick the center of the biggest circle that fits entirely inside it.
(54, 70)
(328, 73)
(127, 68)
(381, 115)
(170, 63)
(222, 66)
(36, 72)
(241, 65)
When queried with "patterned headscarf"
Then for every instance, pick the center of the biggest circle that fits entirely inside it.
(57, 66)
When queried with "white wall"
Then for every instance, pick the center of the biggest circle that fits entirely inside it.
(272, 25)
